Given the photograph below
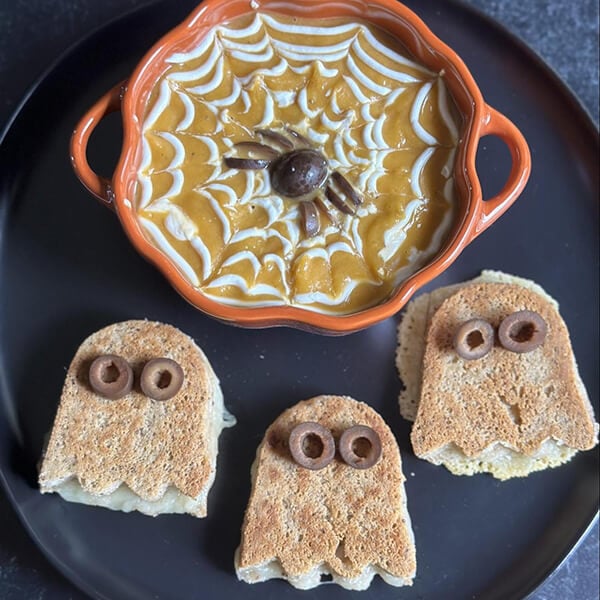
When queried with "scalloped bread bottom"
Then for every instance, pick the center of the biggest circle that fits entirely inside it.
(123, 498)
(500, 460)
(311, 579)
(274, 570)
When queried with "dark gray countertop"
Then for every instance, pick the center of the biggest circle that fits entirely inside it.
(33, 33)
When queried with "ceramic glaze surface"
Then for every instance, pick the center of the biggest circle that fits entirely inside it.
(382, 120)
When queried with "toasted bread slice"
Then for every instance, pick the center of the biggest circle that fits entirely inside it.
(413, 329)
(136, 453)
(341, 521)
(508, 414)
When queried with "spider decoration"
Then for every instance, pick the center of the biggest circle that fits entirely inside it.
(299, 172)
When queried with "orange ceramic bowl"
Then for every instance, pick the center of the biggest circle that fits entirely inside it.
(473, 215)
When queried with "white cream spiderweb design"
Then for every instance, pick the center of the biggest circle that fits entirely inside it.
(349, 129)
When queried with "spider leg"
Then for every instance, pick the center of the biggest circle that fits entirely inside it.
(346, 187)
(335, 199)
(299, 138)
(310, 218)
(263, 149)
(277, 138)
(265, 155)
(320, 204)
(247, 163)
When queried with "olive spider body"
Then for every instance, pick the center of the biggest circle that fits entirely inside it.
(299, 172)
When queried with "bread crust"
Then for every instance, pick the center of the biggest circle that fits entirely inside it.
(145, 445)
(337, 520)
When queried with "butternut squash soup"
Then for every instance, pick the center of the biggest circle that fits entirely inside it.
(298, 162)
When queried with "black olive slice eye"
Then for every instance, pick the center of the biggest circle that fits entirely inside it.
(522, 331)
(474, 339)
(161, 378)
(360, 447)
(311, 445)
(110, 376)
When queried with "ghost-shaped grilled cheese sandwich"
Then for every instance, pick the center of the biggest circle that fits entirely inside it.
(138, 423)
(327, 499)
(493, 384)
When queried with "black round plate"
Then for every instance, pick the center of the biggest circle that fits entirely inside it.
(66, 269)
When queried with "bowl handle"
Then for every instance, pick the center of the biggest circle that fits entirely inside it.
(495, 123)
(100, 186)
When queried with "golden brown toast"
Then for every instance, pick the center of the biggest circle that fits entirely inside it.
(506, 413)
(346, 522)
(136, 453)
(413, 327)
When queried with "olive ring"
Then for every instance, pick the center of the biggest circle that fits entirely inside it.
(360, 447)
(522, 331)
(161, 378)
(110, 376)
(312, 445)
(474, 339)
